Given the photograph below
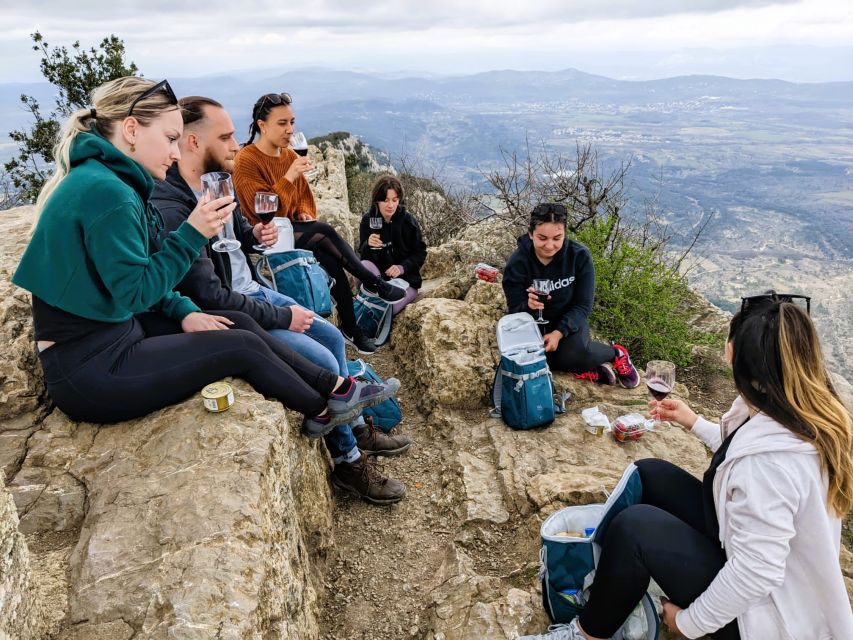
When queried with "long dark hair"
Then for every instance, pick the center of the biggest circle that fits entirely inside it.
(778, 368)
(262, 108)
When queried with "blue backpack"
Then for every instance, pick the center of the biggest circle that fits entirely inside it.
(373, 316)
(296, 273)
(386, 415)
(523, 389)
(568, 562)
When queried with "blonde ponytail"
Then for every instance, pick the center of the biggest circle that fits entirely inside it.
(810, 394)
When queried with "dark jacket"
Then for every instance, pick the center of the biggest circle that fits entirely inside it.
(407, 247)
(90, 252)
(208, 282)
(571, 273)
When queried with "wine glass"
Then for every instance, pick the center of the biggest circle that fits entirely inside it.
(541, 287)
(266, 206)
(217, 184)
(300, 145)
(660, 379)
(376, 223)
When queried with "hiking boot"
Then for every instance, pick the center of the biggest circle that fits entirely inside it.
(387, 291)
(360, 396)
(570, 631)
(363, 479)
(600, 375)
(375, 442)
(360, 342)
(624, 368)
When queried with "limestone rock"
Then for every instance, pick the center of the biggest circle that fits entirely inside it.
(194, 524)
(21, 380)
(330, 193)
(484, 500)
(20, 616)
(446, 351)
(468, 606)
(488, 294)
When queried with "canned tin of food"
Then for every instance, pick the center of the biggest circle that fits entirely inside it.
(217, 396)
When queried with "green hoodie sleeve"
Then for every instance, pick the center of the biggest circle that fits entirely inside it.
(117, 244)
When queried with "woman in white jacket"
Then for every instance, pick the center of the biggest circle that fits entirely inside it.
(751, 551)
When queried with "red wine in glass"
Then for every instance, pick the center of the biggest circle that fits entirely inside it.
(301, 152)
(658, 388)
(299, 144)
(542, 288)
(266, 206)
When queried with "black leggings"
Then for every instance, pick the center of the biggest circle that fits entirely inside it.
(664, 538)
(576, 353)
(335, 255)
(147, 363)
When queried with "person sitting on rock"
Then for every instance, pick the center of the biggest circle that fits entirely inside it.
(270, 165)
(228, 280)
(545, 253)
(115, 342)
(396, 247)
(751, 550)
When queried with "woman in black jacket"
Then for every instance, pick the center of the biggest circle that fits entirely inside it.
(390, 240)
(545, 253)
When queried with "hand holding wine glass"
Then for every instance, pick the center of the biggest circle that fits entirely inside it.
(542, 288)
(374, 241)
(266, 206)
(660, 378)
(215, 185)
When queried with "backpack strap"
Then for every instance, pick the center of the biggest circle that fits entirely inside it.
(521, 377)
(300, 261)
(264, 262)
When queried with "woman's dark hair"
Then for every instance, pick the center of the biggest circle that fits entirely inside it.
(778, 368)
(382, 186)
(262, 108)
(548, 212)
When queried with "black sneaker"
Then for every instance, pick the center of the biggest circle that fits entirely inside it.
(360, 342)
(387, 291)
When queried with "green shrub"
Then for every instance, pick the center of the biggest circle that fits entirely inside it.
(639, 298)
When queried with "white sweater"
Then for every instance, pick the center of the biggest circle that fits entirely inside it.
(782, 579)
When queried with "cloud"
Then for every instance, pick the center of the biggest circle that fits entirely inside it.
(176, 37)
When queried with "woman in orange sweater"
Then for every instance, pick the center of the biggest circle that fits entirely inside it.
(268, 164)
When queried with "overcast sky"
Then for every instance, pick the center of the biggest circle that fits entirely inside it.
(801, 40)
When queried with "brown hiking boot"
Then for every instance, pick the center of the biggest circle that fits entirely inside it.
(364, 480)
(375, 442)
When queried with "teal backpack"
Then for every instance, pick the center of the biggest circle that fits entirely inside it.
(523, 390)
(568, 561)
(386, 415)
(296, 273)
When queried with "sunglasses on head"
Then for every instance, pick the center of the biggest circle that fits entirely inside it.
(275, 99)
(550, 209)
(163, 86)
(794, 298)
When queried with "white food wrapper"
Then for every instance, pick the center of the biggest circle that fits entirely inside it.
(597, 422)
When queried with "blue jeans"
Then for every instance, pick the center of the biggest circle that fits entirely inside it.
(323, 345)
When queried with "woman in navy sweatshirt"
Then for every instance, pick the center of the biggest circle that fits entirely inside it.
(545, 253)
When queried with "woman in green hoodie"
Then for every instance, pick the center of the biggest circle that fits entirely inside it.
(115, 341)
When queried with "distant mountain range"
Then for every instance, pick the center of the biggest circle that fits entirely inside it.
(772, 159)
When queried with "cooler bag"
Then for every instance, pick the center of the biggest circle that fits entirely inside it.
(523, 389)
(296, 273)
(568, 561)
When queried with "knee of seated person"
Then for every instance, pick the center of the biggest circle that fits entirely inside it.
(630, 525)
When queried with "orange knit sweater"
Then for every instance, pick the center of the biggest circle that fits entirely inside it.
(255, 171)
